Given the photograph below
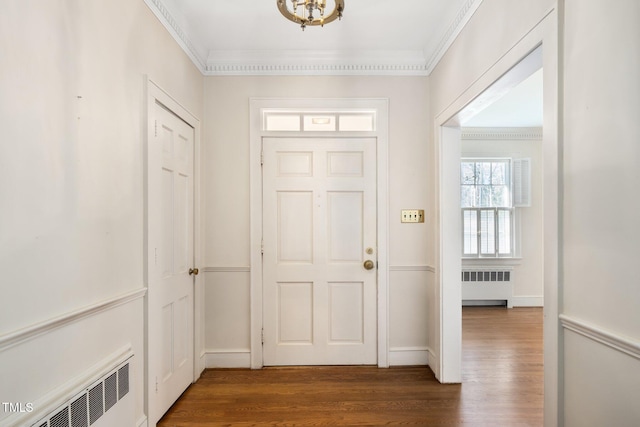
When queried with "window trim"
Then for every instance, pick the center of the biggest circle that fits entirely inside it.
(512, 209)
(496, 254)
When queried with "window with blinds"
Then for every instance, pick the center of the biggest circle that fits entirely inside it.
(487, 208)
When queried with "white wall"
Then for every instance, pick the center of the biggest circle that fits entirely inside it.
(226, 187)
(601, 231)
(71, 182)
(528, 269)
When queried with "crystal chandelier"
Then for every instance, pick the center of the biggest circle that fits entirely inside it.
(312, 12)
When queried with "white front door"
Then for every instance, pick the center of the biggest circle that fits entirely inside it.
(319, 229)
(170, 251)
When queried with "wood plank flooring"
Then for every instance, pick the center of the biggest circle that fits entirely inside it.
(502, 386)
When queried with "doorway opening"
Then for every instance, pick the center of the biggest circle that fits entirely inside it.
(448, 292)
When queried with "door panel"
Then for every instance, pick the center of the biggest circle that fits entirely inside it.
(319, 219)
(345, 218)
(346, 309)
(170, 293)
(295, 227)
(295, 313)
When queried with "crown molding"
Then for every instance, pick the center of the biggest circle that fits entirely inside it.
(169, 22)
(502, 134)
(463, 17)
(403, 63)
(325, 62)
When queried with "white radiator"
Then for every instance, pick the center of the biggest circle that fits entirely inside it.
(482, 285)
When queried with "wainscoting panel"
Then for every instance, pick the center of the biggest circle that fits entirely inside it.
(227, 317)
(602, 376)
(53, 363)
(409, 315)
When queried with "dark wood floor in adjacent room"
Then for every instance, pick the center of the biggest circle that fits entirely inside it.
(502, 386)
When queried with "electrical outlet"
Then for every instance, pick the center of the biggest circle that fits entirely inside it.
(412, 215)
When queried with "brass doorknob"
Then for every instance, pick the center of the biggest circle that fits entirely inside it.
(368, 264)
(193, 271)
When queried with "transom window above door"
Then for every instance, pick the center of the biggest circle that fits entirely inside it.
(283, 121)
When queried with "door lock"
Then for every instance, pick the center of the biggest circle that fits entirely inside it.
(368, 264)
(193, 271)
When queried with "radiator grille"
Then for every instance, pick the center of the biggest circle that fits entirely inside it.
(486, 276)
(85, 409)
(123, 381)
(96, 403)
(110, 391)
(61, 419)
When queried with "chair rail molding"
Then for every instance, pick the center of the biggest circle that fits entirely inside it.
(21, 335)
(600, 335)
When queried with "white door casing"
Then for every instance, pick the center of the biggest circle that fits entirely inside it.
(170, 255)
(319, 219)
(259, 107)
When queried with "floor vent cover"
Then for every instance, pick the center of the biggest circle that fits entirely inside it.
(84, 409)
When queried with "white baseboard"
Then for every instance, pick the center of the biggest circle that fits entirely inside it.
(406, 356)
(142, 422)
(527, 301)
(202, 364)
(228, 359)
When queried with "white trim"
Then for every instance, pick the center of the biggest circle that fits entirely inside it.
(502, 134)
(169, 22)
(408, 356)
(154, 93)
(21, 335)
(626, 345)
(478, 267)
(527, 301)
(337, 65)
(432, 357)
(240, 358)
(412, 268)
(226, 269)
(142, 422)
(381, 106)
(58, 396)
(461, 20)
(366, 63)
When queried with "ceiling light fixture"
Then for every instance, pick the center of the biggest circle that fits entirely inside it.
(308, 8)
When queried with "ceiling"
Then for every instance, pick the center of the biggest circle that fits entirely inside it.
(380, 37)
(375, 37)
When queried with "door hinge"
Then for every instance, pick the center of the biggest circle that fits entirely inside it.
(262, 336)
(262, 247)
(262, 157)
(155, 128)
(156, 384)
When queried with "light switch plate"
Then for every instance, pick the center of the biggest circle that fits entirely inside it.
(412, 215)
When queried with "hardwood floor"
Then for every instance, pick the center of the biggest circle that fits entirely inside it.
(502, 386)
